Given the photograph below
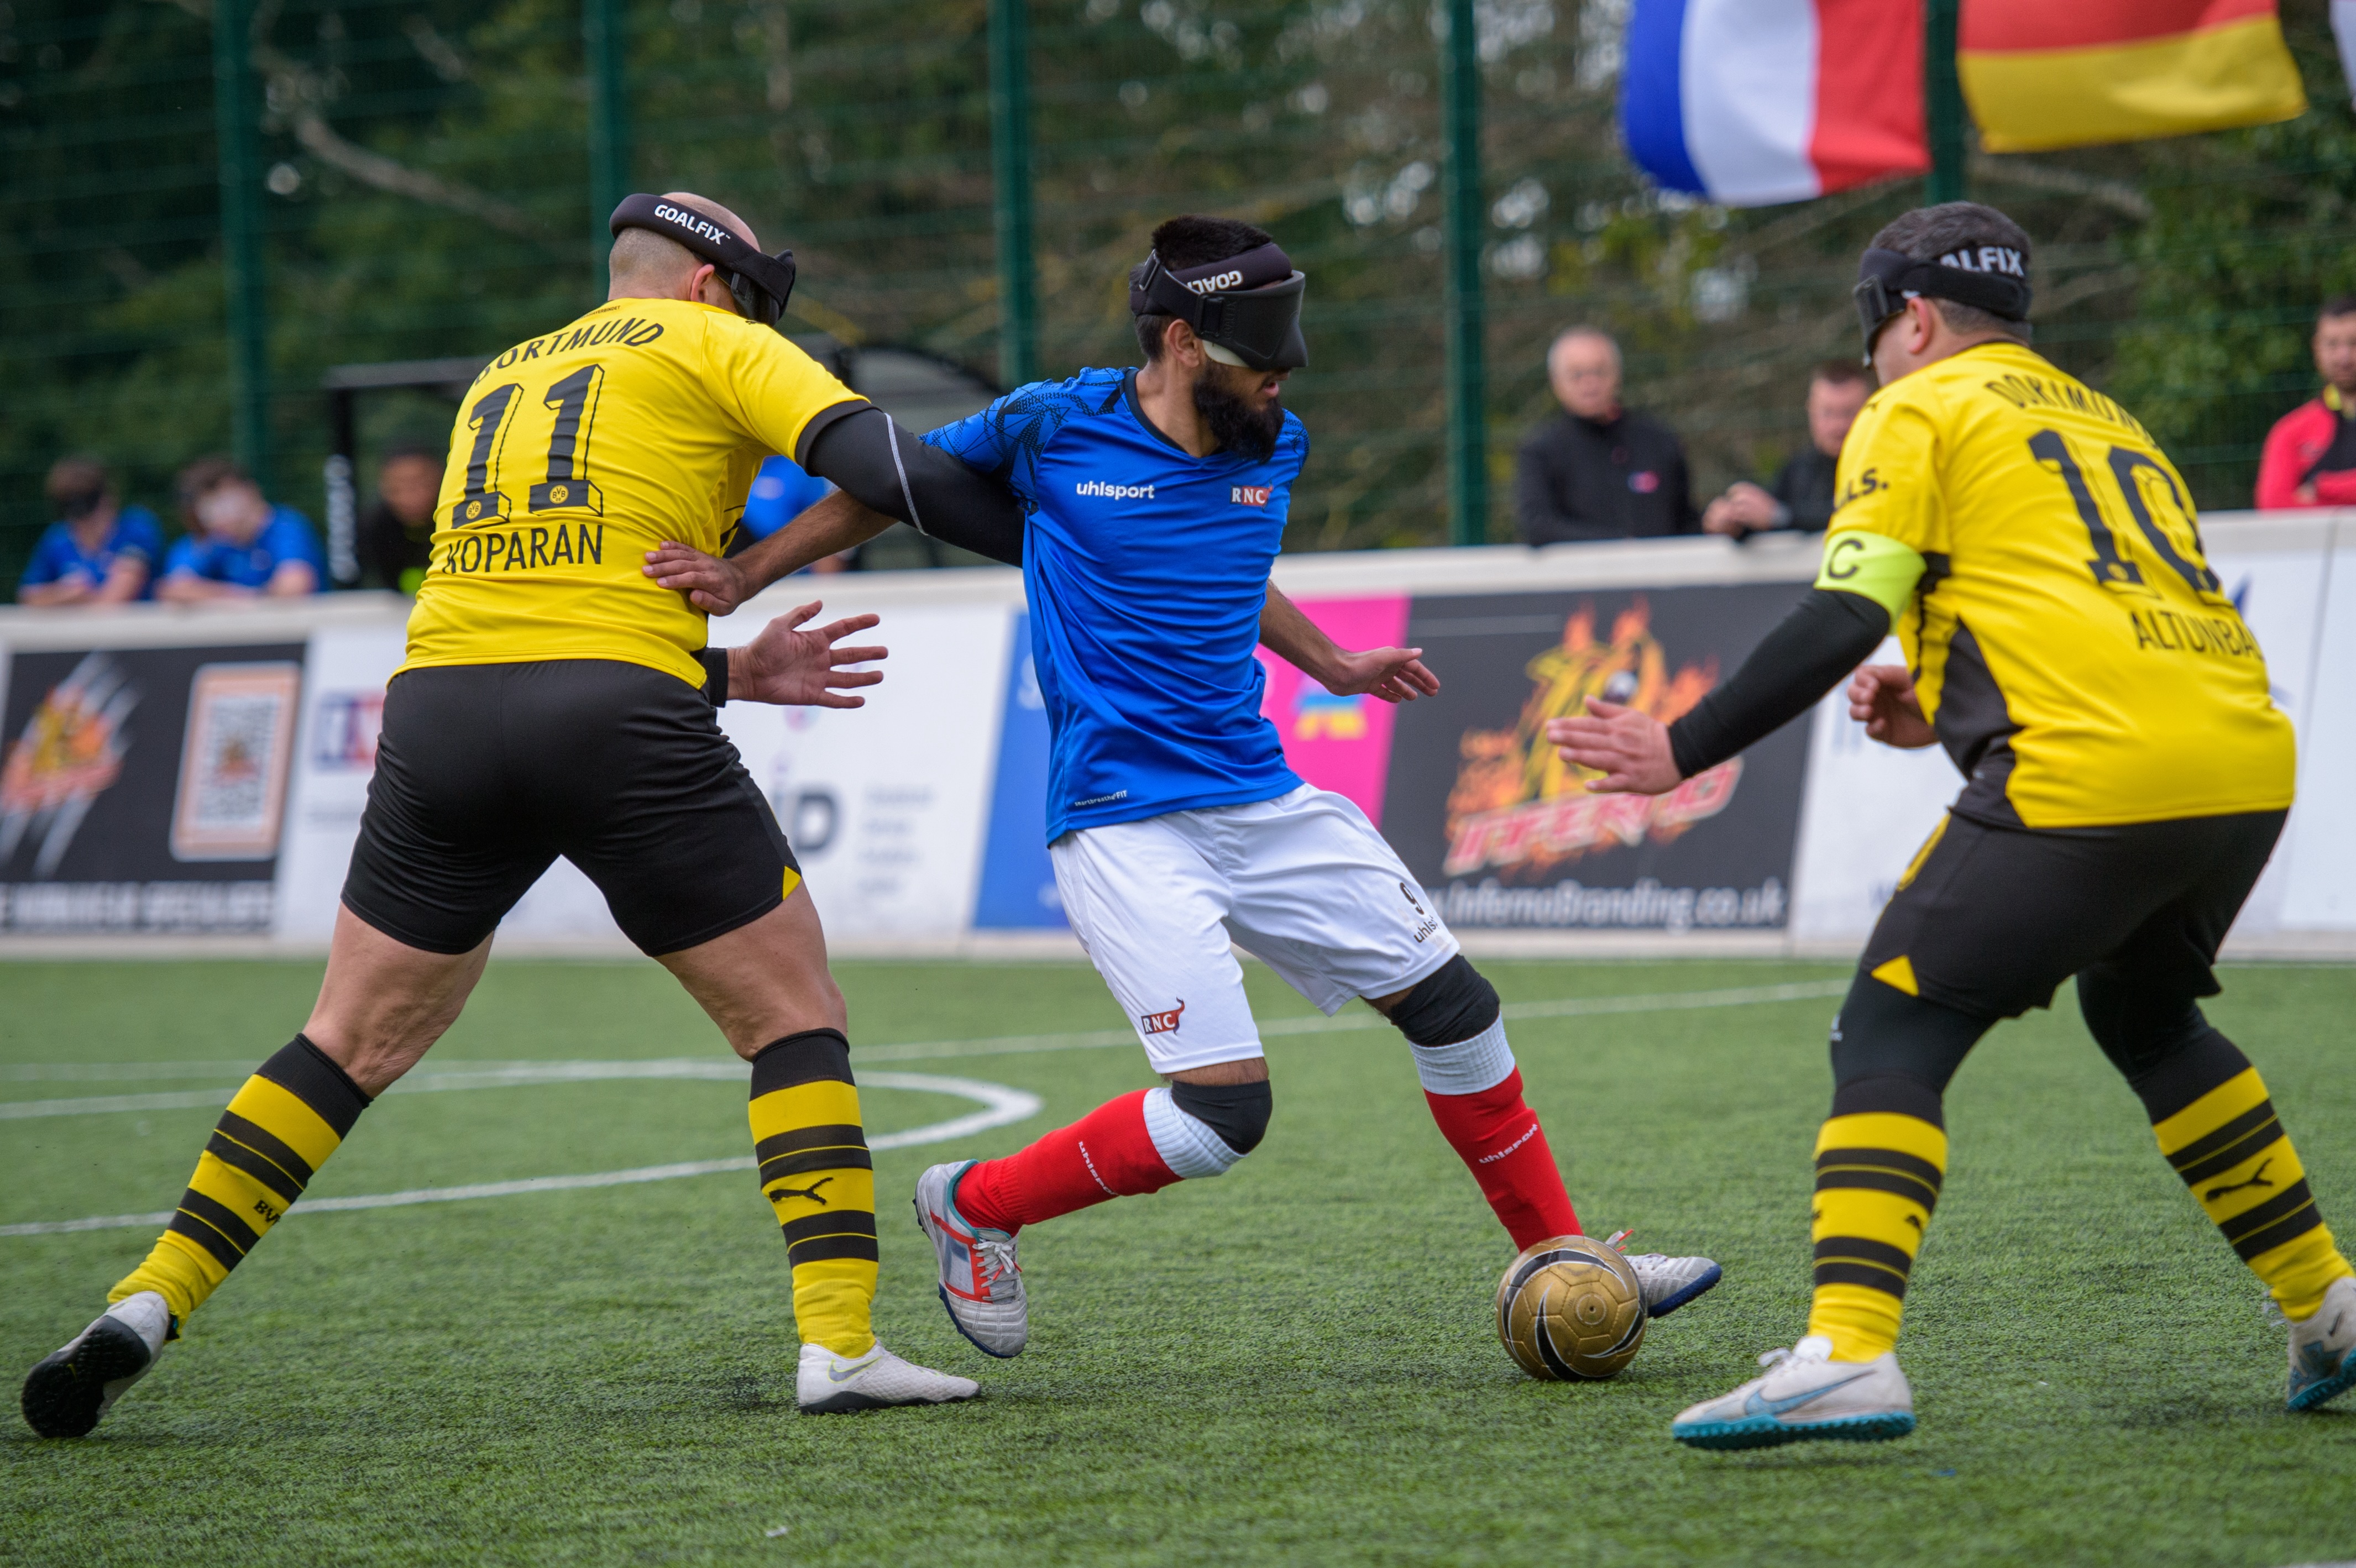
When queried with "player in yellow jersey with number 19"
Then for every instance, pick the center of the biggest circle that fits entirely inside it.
(2127, 778)
(557, 701)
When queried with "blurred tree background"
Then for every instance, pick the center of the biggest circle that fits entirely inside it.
(427, 178)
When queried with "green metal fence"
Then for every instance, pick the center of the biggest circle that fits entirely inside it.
(207, 203)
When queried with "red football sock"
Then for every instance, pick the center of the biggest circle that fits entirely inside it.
(1106, 1154)
(1500, 1141)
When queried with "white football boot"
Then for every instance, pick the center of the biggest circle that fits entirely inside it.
(1806, 1395)
(68, 1390)
(982, 1285)
(828, 1384)
(1668, 1283)
(2323, 1349)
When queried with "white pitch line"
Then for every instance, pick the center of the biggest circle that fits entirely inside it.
(1000, 1106)
(511, 1074)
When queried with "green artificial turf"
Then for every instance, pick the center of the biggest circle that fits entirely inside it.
(1292, 1364)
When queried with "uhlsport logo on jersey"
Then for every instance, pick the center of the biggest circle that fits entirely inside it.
(1251, 494)
(1161, 1023)
(1112, 492)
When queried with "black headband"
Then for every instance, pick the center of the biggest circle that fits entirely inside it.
(1993, 278)
(760, 282)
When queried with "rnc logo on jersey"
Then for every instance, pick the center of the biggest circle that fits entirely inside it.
(1251, 494)
(1161, 1023)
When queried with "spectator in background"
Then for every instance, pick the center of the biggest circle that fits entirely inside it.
(98, 551)
(396, 532)
(1801, 498)
(2310, 454)
(242, 546)
(1599, 471)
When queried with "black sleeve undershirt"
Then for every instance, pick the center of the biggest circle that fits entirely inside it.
(953, 503)
(1828, 634)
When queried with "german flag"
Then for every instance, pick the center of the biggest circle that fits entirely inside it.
(2039, 75)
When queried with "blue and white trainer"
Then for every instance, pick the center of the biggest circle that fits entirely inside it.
(981, 1283)
(1805, 1396)
(2323, 1349)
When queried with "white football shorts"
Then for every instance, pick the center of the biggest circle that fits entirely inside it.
(1302, 882)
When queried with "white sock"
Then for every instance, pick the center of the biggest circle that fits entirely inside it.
(1186, 1143)
(1469, 1066)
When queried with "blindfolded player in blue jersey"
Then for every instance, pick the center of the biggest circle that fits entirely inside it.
(1147, 508)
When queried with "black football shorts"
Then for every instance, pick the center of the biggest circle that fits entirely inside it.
(485, 774)
(1991, 920)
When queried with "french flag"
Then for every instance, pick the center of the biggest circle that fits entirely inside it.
(1752, 102)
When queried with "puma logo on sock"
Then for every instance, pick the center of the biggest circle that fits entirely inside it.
(2257, 1178)
(810, 1192)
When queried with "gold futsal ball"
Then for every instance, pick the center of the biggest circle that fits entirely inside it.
(1570, 1309)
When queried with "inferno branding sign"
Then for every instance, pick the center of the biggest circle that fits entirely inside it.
(144, 789)
(1505, 833)
(1517, 804)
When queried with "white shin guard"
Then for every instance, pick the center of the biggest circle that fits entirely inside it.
(1469, 1066)
(1186, 1143)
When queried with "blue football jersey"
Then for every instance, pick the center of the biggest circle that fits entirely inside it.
(1146, 569)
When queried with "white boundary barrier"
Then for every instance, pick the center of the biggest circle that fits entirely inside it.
(888, 806)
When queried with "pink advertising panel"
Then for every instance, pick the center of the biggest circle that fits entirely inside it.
(1341, 744)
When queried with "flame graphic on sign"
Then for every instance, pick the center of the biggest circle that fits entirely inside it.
(1519, 806)
(70, 751)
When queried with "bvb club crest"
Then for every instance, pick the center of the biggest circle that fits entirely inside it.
(1520, 807)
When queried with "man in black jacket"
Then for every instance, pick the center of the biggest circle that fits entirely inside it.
(1801, 498)
(396, 532)
(1597, 471)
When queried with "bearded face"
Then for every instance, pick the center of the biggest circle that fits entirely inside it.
(1243, 409)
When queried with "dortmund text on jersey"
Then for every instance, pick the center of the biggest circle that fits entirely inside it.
(2043, 567)
(576, 453)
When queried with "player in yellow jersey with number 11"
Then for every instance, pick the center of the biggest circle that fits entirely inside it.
(557, 702)
(2127, 778)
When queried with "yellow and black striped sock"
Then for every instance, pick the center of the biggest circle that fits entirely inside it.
(282, 1125)
(1881, 1160)
(2217, 1126)
(817, 1174)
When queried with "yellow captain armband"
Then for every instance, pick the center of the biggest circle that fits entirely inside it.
(1872, 566)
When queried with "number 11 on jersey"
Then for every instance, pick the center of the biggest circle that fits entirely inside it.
(567, 485)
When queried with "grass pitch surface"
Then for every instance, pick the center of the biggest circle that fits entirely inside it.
(1292, 1364)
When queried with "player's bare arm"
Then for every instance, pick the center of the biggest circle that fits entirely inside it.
(882, 473)
(717, 585)
(1394, 674)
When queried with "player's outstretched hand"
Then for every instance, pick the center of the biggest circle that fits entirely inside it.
(1882, 698)
(712, 585)
(792, 668)
(1395, 674)
(1629, 746)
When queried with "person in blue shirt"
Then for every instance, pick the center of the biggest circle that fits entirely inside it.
(1152, 503)
(783, 490)
(98, 551)
(242, 546)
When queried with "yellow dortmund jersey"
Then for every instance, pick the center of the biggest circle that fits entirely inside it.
(2068, 639)
(576, 453)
